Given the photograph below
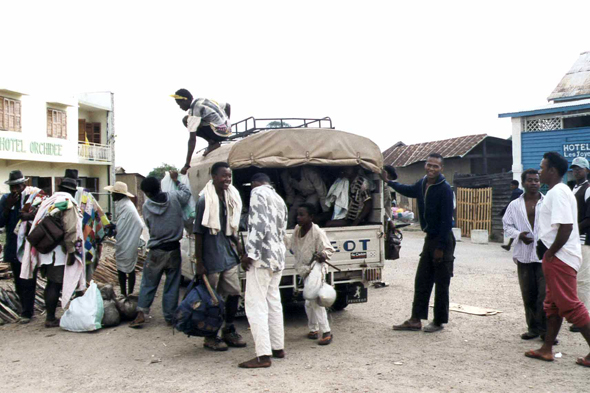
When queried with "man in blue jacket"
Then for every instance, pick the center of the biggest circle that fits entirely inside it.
(435, 205)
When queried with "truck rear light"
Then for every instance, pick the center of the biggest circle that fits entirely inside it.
(372, 275)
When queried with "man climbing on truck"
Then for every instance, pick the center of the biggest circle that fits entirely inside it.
(206, 119)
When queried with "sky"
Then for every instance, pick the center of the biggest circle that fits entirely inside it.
(391, 71)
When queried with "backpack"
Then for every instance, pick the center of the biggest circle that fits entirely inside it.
(201, 312)
(47, 235)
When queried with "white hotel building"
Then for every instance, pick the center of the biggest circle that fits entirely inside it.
(44, 136)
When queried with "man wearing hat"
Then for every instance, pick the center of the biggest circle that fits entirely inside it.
(129, 228)
(64, 265)
(205, 118)
(94, 223)
(15, 213)
(580, 169)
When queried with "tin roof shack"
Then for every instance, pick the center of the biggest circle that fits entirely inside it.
(471, 154)
(563, 125)
(133, 181)
(500, 184)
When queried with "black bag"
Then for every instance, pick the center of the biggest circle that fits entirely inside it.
(394, 243)
(201, 313)
(47, 235)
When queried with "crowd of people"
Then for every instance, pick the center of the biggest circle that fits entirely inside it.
(59, 237)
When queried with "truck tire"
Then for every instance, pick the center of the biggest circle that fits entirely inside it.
(341, 301)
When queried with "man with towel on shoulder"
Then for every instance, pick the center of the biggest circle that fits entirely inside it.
(129, 228)
(216, 248)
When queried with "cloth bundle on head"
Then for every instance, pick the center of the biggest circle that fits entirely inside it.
(211, 213)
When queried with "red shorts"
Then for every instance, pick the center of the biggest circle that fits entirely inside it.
(561, 295)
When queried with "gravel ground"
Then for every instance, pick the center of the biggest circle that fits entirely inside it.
(473, 353)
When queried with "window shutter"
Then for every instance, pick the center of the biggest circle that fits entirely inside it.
(64, 125)
(49, 122)
(6, 110)
(81, 130)
(17, 117)
(1, 113)
(11, 115)
(96, 129)
(89, 132)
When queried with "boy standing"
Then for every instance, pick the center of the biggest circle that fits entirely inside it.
(309, 243)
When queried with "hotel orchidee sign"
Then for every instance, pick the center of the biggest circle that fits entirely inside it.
(15, 145)
(573, 150)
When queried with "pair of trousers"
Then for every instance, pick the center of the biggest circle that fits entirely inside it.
(532, 288)
(264, 309)
(160, 262)
(25, 289)
(561, 295)
(584, 277)
(317, 317)
(430, 274)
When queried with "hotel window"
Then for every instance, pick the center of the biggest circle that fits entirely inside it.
(57, 122)
(10, 115)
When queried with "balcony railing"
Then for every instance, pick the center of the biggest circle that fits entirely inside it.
(94, 152)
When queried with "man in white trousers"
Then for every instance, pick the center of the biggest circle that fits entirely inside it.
(264, 261)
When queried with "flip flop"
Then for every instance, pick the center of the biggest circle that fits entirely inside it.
(583, 362)
(536, 355)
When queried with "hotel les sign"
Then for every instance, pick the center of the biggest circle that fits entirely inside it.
(573, 150)
(19, 146)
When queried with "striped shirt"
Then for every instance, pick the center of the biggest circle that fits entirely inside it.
(515, 221)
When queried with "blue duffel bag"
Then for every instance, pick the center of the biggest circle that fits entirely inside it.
(201, 312)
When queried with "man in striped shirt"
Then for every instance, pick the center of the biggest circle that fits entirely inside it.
(520, 224)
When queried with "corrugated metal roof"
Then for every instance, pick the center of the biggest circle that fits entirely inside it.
(400, 155)
(577, 80)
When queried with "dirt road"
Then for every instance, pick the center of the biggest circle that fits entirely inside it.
(472, 354)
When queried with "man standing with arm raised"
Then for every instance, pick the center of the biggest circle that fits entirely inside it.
(559, 245)
(435, 204)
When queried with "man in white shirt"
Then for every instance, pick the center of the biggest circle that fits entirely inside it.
(582, 193)
(559, 244)
(520, 223)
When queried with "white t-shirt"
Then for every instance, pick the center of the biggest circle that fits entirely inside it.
(560, 207)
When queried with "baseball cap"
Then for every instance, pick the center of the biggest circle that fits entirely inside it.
(581, 162)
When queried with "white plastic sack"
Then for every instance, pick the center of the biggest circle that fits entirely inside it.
(313, 282)
(168, 185)
(326, 295)
(85, 313)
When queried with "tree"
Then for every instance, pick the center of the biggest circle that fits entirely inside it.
(278, 124)
(161, 170)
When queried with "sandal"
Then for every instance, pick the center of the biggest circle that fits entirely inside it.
(536, 355)
(325, 340)
(313, 335)
(583, 362)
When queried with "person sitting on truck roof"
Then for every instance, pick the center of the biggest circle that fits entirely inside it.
(303, 185)
(309, 243)
(207, 119)
(360, 201)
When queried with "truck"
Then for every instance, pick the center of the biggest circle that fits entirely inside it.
(359, 254)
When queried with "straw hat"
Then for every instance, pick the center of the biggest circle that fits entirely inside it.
(119, 188)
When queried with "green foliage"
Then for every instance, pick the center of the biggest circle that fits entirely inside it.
(161, 170)
(277, 124)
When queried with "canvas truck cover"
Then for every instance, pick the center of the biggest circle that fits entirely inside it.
(305, 146)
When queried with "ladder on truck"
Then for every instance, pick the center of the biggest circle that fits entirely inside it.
(251, 125)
